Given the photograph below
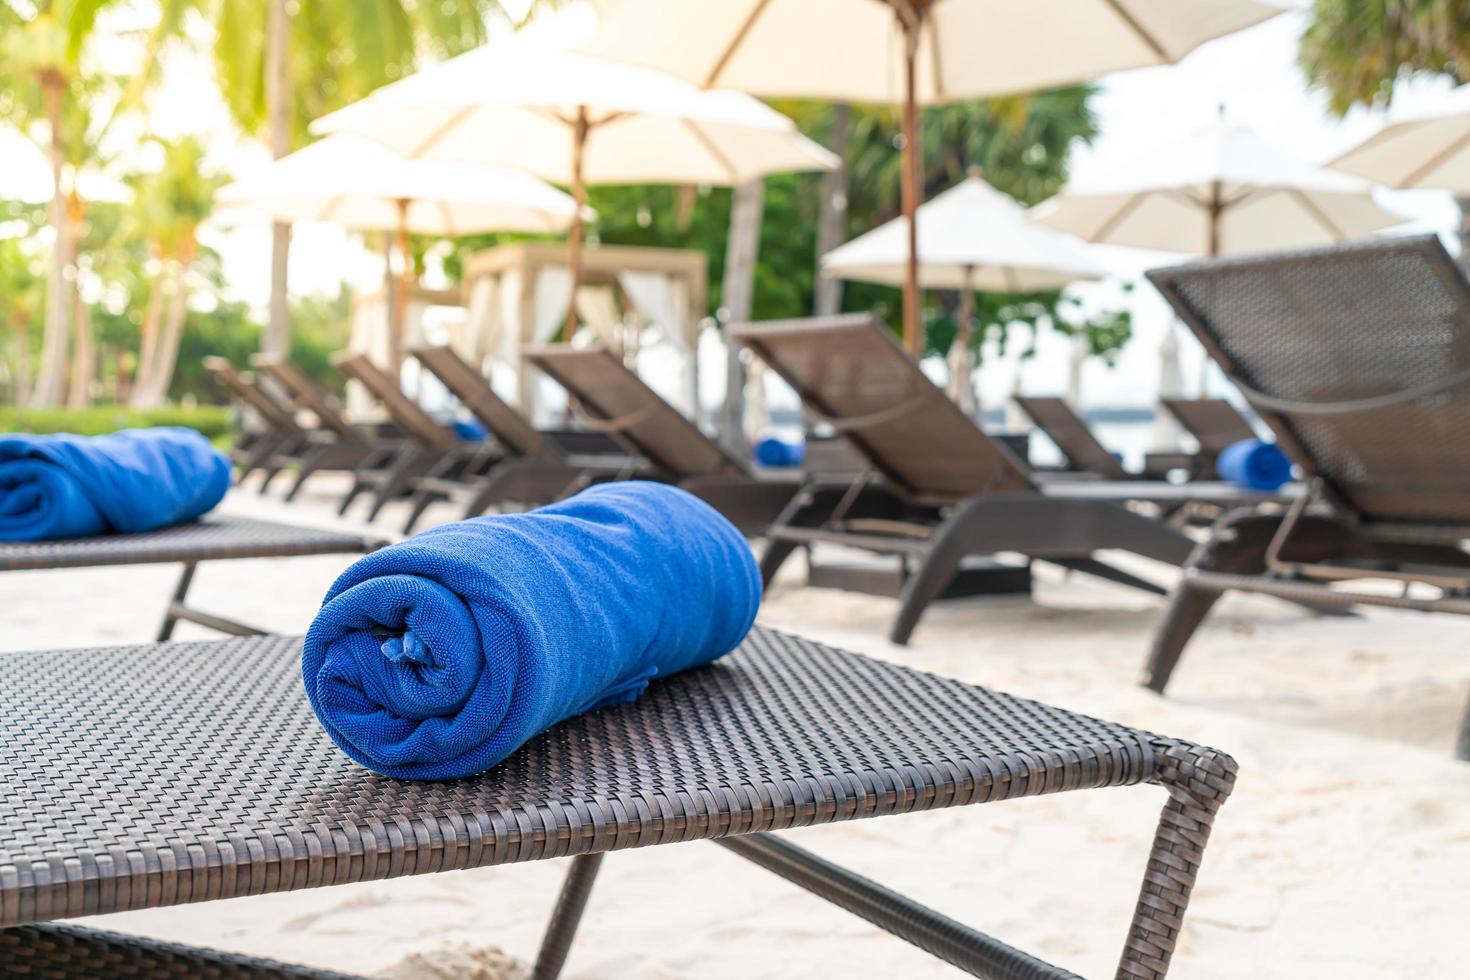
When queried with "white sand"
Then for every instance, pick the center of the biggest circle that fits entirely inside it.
(1344, 853)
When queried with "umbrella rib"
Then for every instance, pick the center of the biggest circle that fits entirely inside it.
(1317, 214)
(714, 151)
(724, 59)
(1118, 217)
(433, 138)
(1133, 25)
(1426, 168)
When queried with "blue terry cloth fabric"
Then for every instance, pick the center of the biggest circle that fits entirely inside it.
(470, 430)
(68, 486)
(1254, 465)
(778, 453)
(437, 657)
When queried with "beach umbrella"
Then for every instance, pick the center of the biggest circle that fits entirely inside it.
(908, 53)
(971, 237)
(1430, 152)
(529, 102)
(360, 184)
(1218, 190)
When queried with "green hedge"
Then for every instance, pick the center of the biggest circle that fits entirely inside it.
(212, 420)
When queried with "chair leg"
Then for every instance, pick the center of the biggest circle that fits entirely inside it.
(936, 570)
(565, 918)
(422, 499)
(310, 465)
(181, 590)
(396, 481)
(1186, 611)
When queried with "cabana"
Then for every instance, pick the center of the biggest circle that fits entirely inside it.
(518, 294)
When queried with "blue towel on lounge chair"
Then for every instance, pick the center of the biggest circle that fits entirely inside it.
(1254, 465)
(778, 453)
(67, 486)
(437, 657)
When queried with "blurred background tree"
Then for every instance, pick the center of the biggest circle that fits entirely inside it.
(1360, 51)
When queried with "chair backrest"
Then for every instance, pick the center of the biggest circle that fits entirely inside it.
(243, 386)
(618, 400)
(1215, 423)
(1358, 358)
(417, 424)
(507, 425)
(306, 392)
(850, 372)
(1066, 428)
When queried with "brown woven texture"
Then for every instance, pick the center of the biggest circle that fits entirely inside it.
(203, 540)
(162, 774)
(76, 953)
(1358, 321)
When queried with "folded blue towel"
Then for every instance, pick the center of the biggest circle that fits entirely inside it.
(439, 656)
(1254, 465)
(779, 453)
(470, 430)
(67, 486)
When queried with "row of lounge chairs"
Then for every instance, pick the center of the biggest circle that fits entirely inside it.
(1357, 360)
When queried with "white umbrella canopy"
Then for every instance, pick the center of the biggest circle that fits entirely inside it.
(971, 236)
(908, 52)
(854, 50)
(1221, 190)
(361, 184)
(358, 183)
(530, 102)
(1428, 151)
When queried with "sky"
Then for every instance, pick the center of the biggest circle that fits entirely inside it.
(1252, 75)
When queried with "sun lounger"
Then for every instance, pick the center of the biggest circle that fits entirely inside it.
(1215, 424)
(342, 444)
(113, 804)
(1357, 358)
(947, 491)
(1079, 447)
(536, 468)
(429, 448)
(282, 433)
(613, 399)
(213, 538)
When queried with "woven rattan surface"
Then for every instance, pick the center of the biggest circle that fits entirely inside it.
(156, 775)
(76, 953)
(204, 540)
(1352, 323)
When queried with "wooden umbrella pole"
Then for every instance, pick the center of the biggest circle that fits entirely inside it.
(580, 128)
(399, 327)
(913, 327)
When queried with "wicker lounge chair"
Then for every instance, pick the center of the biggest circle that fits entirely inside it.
(282, 432)
(613, 399)
(948, 491)
(1215, 424)
(1357, 358)
(113, 804)
(1063, 426)
(428, 447)
(536, 468)
(213, 538)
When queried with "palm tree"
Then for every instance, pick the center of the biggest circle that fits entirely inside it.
(1358, 51)
(41, 47)
(282, 64)
(171, 205)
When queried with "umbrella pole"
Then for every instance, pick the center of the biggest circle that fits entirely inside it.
(399, 325)
(913, 327)
(580, 128)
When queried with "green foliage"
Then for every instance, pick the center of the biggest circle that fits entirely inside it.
(1358, 50)
(212, 420)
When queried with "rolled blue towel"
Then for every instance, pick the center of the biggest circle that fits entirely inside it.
(470, 430)
(1254, 465)
(68, 486)
(437, 657)
(778, 453)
